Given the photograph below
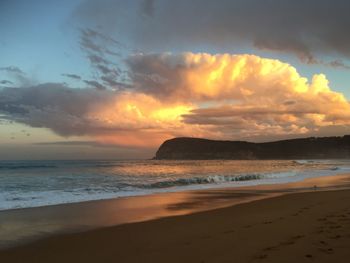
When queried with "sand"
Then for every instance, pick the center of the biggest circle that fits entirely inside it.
(311, 226)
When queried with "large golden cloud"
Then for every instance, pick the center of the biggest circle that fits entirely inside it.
(222, 96)
(216, 96)
(242, 95)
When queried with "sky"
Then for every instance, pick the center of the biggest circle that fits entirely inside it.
(113, 79)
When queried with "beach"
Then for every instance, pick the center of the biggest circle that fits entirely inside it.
(148, 131)
(303, 221)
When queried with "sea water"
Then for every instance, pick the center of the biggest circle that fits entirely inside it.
(38, 183)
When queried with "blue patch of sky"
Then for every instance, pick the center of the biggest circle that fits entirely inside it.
(35, 39)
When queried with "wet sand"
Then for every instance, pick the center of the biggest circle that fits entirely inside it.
(296, 222)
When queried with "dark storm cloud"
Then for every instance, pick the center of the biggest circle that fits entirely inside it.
(306, 29)
(72, 76)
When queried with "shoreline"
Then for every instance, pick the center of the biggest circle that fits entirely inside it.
(27, 225)
(19, 200)
(189, 188)
(308, 225)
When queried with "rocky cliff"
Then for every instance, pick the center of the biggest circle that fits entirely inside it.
(307, 148)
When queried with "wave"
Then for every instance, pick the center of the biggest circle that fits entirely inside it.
(336, 168)
(213, 179)
(105, 165)
(25, 166)
(305, 161)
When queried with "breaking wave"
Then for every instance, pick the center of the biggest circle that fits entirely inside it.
(213, 179)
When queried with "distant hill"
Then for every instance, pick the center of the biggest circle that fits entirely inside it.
(203, 149)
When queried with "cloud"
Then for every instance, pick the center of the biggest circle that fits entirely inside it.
(95, 42)
(6, 82)
(338, 64)
(220, 96)
(95, 84)
(147, 7)
(12, 69)
(206, 77)
(72, 76)
(106, 70)
(303, 28)
(120, 118)
(95, 59)
(229, 91)
(17, 75)
(55, 106)
(104, 60)
(79, 143)
(110, 81)
(89, 33)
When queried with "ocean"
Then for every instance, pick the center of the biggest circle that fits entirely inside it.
(39, 183)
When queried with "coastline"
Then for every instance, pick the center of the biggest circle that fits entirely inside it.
(308, 224)
(24, 227)
(77, 182)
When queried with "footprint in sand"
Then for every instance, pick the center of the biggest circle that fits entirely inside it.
(292, 240)
(270, 248)
(344, 219)
(267, 222)
(323, 242)
(228, 231)
(327, 250)
(336, 237)
(260, 257)
(289, 242)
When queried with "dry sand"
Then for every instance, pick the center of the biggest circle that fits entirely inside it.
(295, 227)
